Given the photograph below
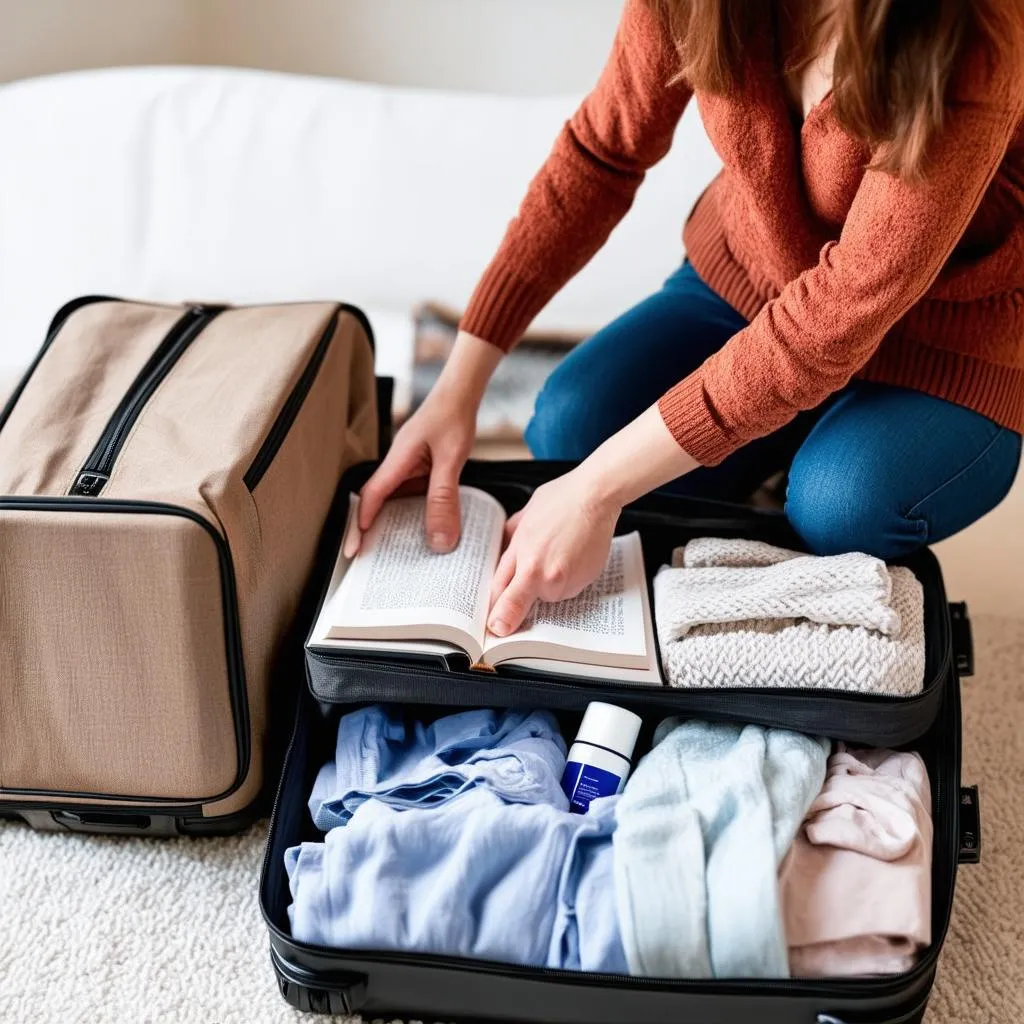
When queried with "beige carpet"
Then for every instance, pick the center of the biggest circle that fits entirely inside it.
(97, 930)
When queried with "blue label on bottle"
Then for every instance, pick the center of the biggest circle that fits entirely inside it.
(582, 783)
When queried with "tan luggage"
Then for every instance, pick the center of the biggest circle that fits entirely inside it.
(165, 476)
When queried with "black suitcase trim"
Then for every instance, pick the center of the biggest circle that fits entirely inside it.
(385, 983)
(134, 821)
(293, 404)
(355, 677)
(238, 692)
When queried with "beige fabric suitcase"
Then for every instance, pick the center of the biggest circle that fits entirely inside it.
(165, 476)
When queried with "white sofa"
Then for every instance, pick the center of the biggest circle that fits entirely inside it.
(248, 186)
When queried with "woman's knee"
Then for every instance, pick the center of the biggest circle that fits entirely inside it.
(836, 509)
(571, 416)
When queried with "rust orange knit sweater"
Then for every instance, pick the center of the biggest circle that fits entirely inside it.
(842, 271)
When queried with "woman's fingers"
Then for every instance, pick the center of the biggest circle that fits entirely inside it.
(442, 518)
(511, 525)
(513, 604)
(397, 467)
(502, 576)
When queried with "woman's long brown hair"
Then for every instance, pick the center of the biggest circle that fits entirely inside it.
(893, 61)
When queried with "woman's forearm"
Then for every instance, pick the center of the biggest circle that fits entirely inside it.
(639, 458)
(469, 368)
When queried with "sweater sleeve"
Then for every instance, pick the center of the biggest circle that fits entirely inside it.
(587, 184)
(827, 323)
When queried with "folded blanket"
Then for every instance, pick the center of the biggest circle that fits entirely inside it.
(856, 886)
(840, 590)
(475, 876)
(519, 753)
(792, 650)
(702, 827)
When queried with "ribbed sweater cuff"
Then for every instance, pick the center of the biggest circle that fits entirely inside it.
(502, 307)
(688, 415)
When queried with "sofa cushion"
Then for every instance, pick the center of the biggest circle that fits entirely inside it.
(248, 186)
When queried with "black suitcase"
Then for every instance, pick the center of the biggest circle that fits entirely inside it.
(416, 986)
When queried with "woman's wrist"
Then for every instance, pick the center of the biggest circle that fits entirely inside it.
(638, 459)
(468, 370)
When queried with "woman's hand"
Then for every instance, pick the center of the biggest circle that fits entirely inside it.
(433, 445)
(558, 545)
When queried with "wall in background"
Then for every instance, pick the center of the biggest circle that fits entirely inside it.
(39, 37)
(514, 46)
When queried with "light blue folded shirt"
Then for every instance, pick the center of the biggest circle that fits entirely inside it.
(475, 876)
(519, 754)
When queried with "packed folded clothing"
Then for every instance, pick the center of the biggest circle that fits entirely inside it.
(377, 756)
(734, 851)
(456, 838)
(857, 883)
(740, 613)
(473, 877)
(702, 828)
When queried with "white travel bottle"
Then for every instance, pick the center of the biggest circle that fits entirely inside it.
(599, 760)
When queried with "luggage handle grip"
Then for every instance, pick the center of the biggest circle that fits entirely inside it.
(963, 638)
(970, 826)
(98, 821)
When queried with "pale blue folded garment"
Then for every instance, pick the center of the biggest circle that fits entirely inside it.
(474, 876)
(521, 754)
(702, 827)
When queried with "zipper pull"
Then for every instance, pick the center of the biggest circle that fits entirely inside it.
(206, 308)
(89, 484)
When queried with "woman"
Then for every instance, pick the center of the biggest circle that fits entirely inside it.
(852, 307)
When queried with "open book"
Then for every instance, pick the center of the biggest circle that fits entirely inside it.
(397, 595)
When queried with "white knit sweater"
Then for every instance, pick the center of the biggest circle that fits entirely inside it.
(743, 613)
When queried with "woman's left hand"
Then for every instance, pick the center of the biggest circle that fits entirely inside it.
(557, 546)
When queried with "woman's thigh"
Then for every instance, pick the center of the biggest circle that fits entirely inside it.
(611, 378)
(887, 470)
(627, 366)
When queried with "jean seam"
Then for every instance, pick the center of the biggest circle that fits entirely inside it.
(912, 512)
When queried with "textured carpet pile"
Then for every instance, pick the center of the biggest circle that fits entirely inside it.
(97, 930)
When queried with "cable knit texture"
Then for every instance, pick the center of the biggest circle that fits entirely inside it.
(843, 271)
(841, 590)
(789, 651)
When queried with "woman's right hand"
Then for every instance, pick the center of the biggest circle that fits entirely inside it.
(435, 442)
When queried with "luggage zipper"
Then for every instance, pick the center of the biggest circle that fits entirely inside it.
(96, 472)
(290, 410)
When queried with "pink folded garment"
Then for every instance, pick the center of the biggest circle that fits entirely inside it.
(856, 886)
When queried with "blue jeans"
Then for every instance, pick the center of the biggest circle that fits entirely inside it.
(875, 468)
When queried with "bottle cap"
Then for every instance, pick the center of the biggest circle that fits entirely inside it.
(605, 725)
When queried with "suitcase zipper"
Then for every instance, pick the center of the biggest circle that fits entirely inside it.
(96, 472)
(290, 410)
(293, 404)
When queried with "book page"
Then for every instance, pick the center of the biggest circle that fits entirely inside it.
(396, 581)
(649, 676)
(608, 619)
